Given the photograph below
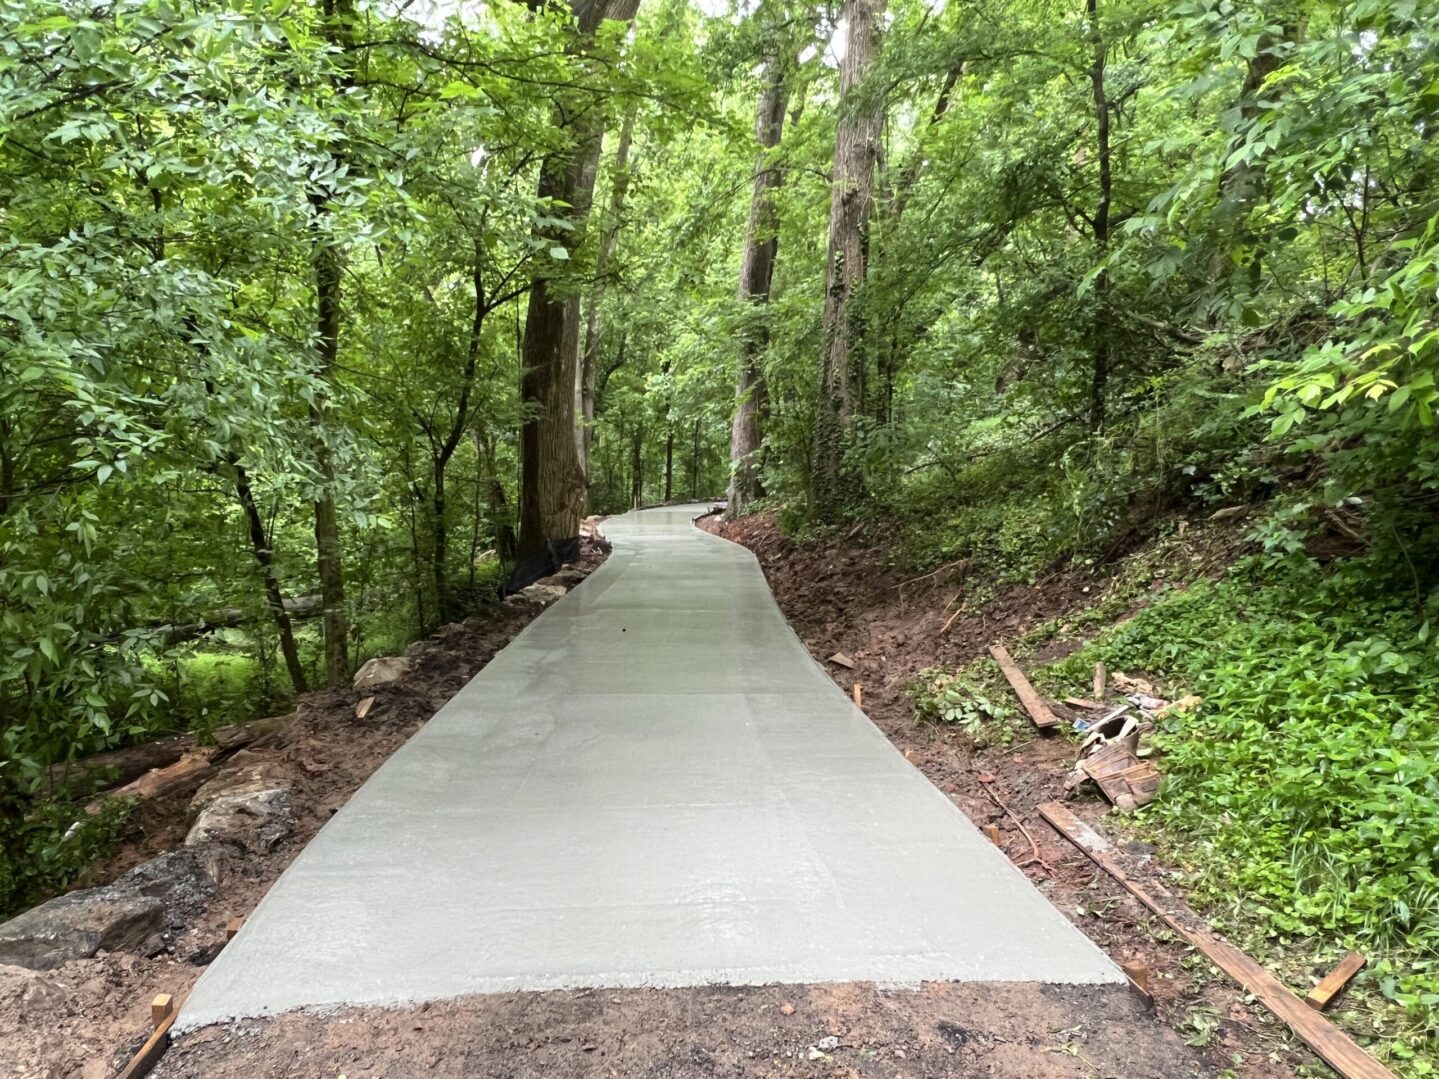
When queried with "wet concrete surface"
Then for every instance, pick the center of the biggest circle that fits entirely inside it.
(653, 785)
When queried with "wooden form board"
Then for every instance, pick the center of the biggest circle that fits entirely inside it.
(1329, 1043)
(1038, 711)
(151, 1052)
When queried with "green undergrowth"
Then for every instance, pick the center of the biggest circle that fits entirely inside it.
(1302, 796)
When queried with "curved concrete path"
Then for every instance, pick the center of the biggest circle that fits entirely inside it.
(654, 785)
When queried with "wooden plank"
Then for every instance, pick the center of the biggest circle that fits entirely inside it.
(1038, 711)
(1330, 985)
(859, 696)
(1329, 1043)
(151, 1052)
(1101, 681)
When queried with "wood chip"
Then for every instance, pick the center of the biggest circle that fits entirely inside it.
(363, 708)
(842, 660)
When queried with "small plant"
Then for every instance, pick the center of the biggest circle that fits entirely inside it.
(958, 698)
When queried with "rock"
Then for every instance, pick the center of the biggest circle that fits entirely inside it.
(248, 807)
(829, 1043)
(184, 880)
(77, 925)
(33, 996)
(381, 670)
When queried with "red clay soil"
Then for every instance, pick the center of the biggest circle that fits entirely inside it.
(844, 596)
(89, 1016)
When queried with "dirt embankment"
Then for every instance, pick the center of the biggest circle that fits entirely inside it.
(843, 596)
(88, 1016)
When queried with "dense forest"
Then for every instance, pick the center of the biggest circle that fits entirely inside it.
(320, 322)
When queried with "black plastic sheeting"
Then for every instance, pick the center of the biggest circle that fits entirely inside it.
(550, 558)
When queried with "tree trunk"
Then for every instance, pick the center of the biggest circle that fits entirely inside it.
(1102, 330)
(669, 462)
(833, 478)
(337, 28)
(589, 366)
(761, 247)
(552, 484)
(637, 464)
(264, 555)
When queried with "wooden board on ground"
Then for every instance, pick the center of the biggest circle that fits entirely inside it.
(1038, 711)
(1330, 985)
(154, 1048)
(1329, 1043)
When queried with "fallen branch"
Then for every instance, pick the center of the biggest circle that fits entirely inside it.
(1035, 856)
(1331, 1044)
(185, 774)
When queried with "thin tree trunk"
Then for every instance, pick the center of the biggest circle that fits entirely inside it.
(264, 555)
(833, 477)
(552, 484)
(757, 261)
(589, 366)
(695, 464)
(1102, 330)
(637, 462)
(669, 462)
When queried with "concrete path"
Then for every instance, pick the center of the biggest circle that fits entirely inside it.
(654, 785)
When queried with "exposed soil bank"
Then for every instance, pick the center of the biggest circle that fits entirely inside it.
(1019, 1032)
(843, 596)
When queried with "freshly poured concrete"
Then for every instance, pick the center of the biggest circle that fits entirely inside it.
(654, 785)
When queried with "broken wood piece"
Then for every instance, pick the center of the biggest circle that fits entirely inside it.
(1038, 711)
(842, 660)
(363, 708)
(992, 831)
(233, 926)
(858, 696)
(1187, 703)
(185, 774)
(1101, 681)
(1331, 1044)
(1332, 983)
(1081, 702)
(154, 1048)
(1126, 781)
(161, 1008)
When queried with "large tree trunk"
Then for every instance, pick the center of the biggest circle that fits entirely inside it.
(264, 556)
(552, 485)
(327, 266)
(1102, 329)
(761, 247)
(589, 367)
(833, 478)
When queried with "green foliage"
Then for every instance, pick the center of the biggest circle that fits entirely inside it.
(965, 698)
(1304, 790)
(48, 846)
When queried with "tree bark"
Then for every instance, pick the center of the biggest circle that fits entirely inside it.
(326, 261)
(637, 468)
(264, 555)
(834, 479)
(756, 274)
(587, 382)
(552, 484)
(1102, 329)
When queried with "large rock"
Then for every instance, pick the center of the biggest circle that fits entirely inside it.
(247, 806)
(381, 670)
(184, 880)
(78, 925)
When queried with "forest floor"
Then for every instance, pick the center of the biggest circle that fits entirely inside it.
(87, 1017)
(843, 595)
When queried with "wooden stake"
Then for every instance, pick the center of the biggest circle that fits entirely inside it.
(992, 831)
(1331, 984)
(154, 1048)
(858, 696)
(1138, 975)
(161, 1008)
(363, 708)
(1038, 711)
(1101, 681)
(233, 926)
(1329, 1043)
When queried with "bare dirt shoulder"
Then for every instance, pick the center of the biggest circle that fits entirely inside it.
(88, 1016)
(843, 595)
